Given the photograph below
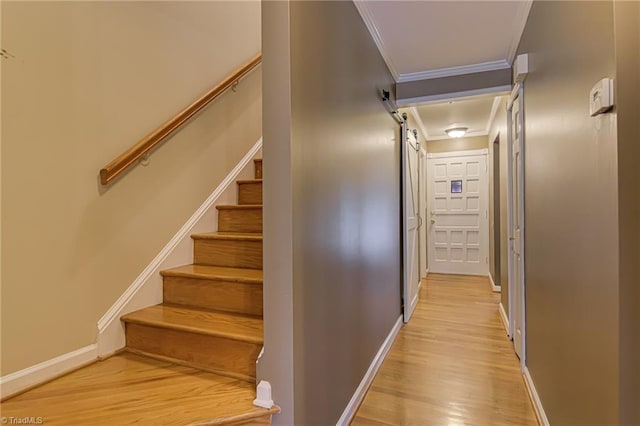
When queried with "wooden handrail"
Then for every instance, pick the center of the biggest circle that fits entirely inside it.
(125, 160)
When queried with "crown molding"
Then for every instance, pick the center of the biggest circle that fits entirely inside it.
(416, 116)
(467, 135)
(492, 115)
(519, 23)
(367, 17)
(448, 72)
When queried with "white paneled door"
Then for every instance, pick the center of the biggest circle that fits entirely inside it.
(517, 221)
(458, 222)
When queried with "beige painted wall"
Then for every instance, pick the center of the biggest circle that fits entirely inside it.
(331, 152)
(87, 81)
(627, 95)
(571, 214)
(499, 129)
(457, 144)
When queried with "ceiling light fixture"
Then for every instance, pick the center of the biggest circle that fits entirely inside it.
(456, 132)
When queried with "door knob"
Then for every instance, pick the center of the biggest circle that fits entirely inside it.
(433, 221)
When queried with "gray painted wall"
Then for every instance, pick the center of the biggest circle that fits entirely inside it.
(332, 155)
(276, 365)
(453, 86)
(627, 34)
(571, 214)
(457, 144)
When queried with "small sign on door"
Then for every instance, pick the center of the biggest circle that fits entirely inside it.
(456, 186)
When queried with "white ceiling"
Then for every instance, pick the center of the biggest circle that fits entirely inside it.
(475, 113)
(426, 39)
(429, 39)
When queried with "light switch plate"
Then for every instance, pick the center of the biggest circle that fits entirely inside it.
(601, 97)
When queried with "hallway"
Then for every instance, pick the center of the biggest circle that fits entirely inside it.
(451, 364)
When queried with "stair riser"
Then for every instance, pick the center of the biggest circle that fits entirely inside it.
(250, 193)
(258, 421)
(225, 296)
(258, 169)
(231, 253)
(240, 220)
(210, 352)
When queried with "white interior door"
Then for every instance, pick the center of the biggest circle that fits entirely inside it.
(411, 223)
(517, 220)
(458, 241)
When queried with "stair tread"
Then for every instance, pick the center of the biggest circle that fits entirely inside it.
(241, 181)
(127, 387)
(228, 236)
(227, 325)
(215, 272)
(239, 206)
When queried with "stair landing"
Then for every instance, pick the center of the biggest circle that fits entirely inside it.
(130, 389)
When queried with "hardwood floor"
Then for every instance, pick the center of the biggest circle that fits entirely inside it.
(451, 364)
(129, 389)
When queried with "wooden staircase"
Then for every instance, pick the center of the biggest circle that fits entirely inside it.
(211, 317)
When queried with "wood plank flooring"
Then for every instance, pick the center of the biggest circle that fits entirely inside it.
(452, 364)
(129, 389)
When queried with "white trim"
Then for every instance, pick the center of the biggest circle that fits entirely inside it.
(495, 288)
(426, 274)
(519, 23)
(521, 68)
(504, 318)
(47, 370)
(369, 21)
(466, 135)
(451, 95)
(483, 151)
(416, 116)
(535, 398)
(513, 95)
(492, 115)
(451, 71)
(361, 391)
(510, 283)
(414, 301)
(146, 289)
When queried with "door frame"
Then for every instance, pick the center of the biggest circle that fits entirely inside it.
(516, 93)
(422, 178)
(485, 190)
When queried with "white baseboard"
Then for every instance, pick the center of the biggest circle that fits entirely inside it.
(535, 399)
(146, 289)
(504, 318)
(495, 288)
(361, 391)
(47, 370)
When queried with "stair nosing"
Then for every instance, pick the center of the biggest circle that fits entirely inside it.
(203, 331)
(214, 277)
(248, 181)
